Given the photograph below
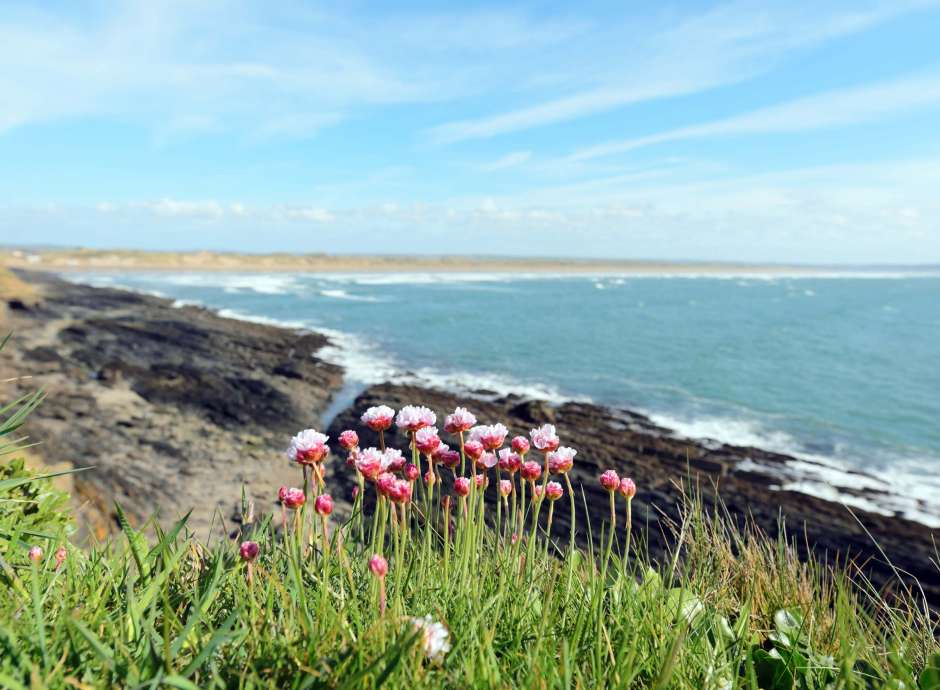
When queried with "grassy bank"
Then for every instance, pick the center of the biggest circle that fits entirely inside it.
(469, 597)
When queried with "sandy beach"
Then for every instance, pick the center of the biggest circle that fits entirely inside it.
(118, 260)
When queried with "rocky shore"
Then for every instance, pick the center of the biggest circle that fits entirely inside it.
(179, 408)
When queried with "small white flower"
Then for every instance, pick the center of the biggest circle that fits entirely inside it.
(434, 638)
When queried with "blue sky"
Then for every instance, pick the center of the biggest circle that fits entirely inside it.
(743, 131)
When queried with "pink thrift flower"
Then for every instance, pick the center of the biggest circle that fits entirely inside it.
(462, 486)
(401, 491)
(355, 493)
(378, 418)
(385, 483)
(414, 417)
(351, 458)
(610, 480)
(249, 550)
(487, 461)
(537, 492)
(60, 555)
(370, 463)
(492, 437)
(531, 470)
(446, 456)
(544, 438)
(505, 487)
(627, 488)
(482, 481)
(561, 460)
(411, 472)
(323, 505)
(349, 439)
(308, 447)
(291, 498)
(520, 444)
(554, 491)
(427, 440)
(429, 478)
(378, 566)
(393, 460)
(35, 554)
(509, 461)
(460, 420)
(473, 449)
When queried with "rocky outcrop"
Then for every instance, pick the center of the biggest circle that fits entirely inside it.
(665, 467)
(175, 408)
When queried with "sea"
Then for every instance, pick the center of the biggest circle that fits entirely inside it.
(840, 370)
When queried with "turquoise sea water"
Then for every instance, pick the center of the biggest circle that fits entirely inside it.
(842, 371)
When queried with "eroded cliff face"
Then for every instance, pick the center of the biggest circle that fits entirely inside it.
(174, 408)
(664, 466)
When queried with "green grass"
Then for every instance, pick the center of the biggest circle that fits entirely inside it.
(730, 608)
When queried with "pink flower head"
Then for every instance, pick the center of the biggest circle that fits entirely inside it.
(520, 444)
(401, 491)
(249, 550)
(486, 461)
(414, 417)
(429, 478)
(355, 492)
(427, 440)
(308, 447)
(462, 486)
(411, 472)
(378, 418)
(554, 491)
(393, 460)
(446, 456)
(610, 480)
(35, 554)
(349, 439)
(537, 493)
(378, 566)
(291, 498)
(561, 460)
(627, 488)
(509, 461)
(461, 420)
(482, 480)
(60, 555)
(544, 438)
(323, 505)
(369, 463)
(492, 437)
(505, 487)
(531, 470)
(385, 483)
(473, 449)
(351, 458)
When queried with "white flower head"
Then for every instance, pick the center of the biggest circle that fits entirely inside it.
(434, 638)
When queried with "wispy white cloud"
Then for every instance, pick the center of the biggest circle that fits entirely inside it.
(510, 160)
(720, 46)
(840, 107)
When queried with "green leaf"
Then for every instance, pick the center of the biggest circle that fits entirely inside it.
(930, 678)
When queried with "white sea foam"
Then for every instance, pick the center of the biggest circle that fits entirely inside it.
(261, 283)
(902, 490)
(342, 294)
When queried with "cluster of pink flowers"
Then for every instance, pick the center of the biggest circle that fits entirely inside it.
(613, 483)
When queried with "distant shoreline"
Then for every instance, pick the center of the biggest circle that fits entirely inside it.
(103, 260)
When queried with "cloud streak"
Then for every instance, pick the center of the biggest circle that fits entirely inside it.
(842, 107)
(721, 46)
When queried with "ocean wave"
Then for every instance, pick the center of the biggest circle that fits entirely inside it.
(342, 294)
(905, 491)
(261, 283)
